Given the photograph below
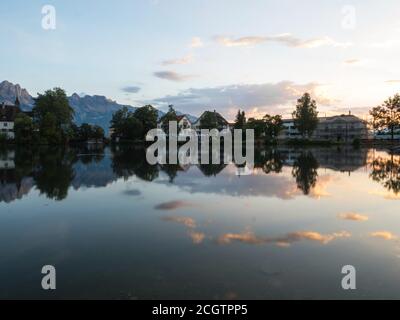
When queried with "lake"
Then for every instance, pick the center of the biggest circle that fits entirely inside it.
(116, 227)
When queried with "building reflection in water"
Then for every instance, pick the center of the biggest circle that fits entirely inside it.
(52, 171)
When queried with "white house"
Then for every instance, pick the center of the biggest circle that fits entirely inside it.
(7, 117)
(183, 123)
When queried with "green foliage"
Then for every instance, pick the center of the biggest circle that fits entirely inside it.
(269, 126)
(125, 125)
(387, 115)
(148, 116)
(306, 115)
(133, 125)
(258, 125)
(50, 132)
(53, 116)
(89, 132)
(24, 129)
(132, 128)
(273, 125)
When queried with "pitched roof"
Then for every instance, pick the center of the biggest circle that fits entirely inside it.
(343, 117)
(220, 118)
(8, 113)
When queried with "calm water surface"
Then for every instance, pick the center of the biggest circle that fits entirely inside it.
(117, 228)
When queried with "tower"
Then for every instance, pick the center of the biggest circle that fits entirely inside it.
(17, 103)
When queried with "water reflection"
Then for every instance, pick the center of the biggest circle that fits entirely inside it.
(201, 231)
(52, 171)
(305, 170)
(387, 172)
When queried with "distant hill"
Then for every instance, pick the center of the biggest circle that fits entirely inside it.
(90, 109)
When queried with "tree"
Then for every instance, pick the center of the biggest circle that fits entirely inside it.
(50, 132)
(23, 128)
(126, 125)
(387, 115)
(132, 128)
(306, 115)
(98, 132)
(240, 120)
(87, 132)
(258, 125)
(118, 120)
(148, 116)
(169, 116)
(53, 107)
(273, 125)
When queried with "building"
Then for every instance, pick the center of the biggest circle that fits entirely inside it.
(289, 130)
(182, 120)
(342, 128)
(7, 118)
(220, 122)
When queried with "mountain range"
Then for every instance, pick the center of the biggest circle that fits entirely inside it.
(94, 109)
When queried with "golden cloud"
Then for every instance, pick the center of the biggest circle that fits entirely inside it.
(385, 235)
(284, 241)
(353, 216)
(186, 221)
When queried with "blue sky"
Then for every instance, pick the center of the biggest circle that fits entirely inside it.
(257, 55)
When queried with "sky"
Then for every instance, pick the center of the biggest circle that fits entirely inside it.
(256, 55)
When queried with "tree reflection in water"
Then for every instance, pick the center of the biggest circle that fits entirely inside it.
(270, 160)
(387, 172)
(55, 170)
(131, 160)
(305, 170)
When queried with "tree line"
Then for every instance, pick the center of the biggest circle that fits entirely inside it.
(52, 122)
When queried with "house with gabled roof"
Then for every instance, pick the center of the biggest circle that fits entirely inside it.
(7, 118)
(220, 122)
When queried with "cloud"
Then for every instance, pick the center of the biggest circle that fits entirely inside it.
(355, 62)
(385, 235)
(256, 99)
(173, 205)
(197, 237)
(131, 89)
(353, 216)
(186, 221)
(249, 237)
(172, 76)
(386, 195)
(392, 81)
(184, 60)
(196, 43)
(285, 39)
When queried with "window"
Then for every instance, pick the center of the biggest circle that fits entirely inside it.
(5, 124)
